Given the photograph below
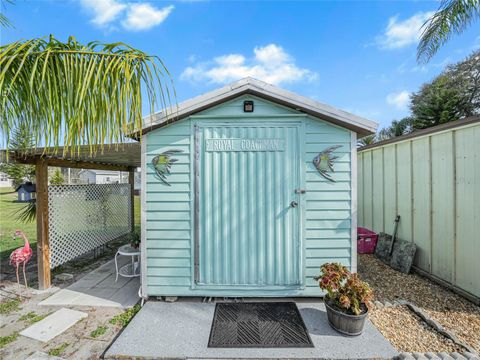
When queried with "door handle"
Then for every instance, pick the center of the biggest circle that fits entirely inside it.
(293, 204)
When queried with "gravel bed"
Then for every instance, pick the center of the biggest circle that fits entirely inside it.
(406, 331)
(454, 313)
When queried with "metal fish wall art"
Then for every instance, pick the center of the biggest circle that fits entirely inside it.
(323, 162)
(162, 164)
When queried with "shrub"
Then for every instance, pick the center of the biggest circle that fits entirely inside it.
(345, 290)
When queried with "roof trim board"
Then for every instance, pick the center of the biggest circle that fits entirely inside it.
(424, 132)
(266, 91)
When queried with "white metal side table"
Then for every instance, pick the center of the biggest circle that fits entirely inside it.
(131, 269)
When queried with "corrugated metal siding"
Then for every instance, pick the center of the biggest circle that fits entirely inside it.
(170, 268)
(248, 234)
(433, 183)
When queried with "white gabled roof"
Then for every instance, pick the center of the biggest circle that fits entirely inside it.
(269, 92)
(100, 172)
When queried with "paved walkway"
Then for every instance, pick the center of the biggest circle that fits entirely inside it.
(98, 288)
(181, 330)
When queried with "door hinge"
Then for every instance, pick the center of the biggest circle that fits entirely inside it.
(300, 191)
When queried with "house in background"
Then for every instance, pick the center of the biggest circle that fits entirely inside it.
(88, 176)
(26, 192)
(5, 181)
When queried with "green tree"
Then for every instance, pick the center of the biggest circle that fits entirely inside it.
(452, 95)
(436, 103)
(22, 142)
(465, 77)
(57, 178)
(452, 17)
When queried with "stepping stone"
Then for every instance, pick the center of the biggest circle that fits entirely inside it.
(64, 277)
(38, 355)
(53, 325)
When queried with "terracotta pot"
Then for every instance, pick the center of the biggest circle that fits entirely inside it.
(351, 325)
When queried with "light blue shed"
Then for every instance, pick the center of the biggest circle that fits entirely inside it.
(232, 203)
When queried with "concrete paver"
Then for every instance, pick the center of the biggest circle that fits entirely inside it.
(53, 325)
(180, 330)
(98, 288)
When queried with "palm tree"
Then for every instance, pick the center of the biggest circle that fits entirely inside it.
(453, 16)
(367, 140)
(396, 128)
(74, 94)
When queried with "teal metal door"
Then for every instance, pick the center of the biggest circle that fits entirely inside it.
(247, 210)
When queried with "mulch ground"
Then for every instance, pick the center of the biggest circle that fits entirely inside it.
(402, 327)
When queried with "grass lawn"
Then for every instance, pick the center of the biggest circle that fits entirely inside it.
(8, 223)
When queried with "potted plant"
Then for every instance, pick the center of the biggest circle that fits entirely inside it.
(347, 298)
(134, 239)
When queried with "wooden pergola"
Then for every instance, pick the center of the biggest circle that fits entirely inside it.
(117, 157)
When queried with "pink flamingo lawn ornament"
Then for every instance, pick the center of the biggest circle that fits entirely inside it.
(21, 255)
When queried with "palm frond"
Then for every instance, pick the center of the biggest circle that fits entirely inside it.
(74, 94)
(367, 140)
(452, 17)
(27, 213)
(4, 21)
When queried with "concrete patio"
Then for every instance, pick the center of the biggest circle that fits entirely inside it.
(98, 288)
(181, 330)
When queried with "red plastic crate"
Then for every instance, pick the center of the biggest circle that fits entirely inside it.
(366, 241)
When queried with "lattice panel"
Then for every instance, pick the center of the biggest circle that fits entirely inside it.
(84, 217)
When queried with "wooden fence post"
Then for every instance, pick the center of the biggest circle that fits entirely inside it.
(43, 242)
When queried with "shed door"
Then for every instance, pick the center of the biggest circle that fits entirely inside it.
(248, 229)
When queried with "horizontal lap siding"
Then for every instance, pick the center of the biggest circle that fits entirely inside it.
(168, 212)
(328, 204)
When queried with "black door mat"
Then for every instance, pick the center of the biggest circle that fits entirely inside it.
(258, 325)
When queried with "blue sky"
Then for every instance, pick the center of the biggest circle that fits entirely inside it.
(358, 56)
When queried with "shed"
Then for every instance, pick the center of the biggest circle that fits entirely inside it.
(26, 192)
(232, 203)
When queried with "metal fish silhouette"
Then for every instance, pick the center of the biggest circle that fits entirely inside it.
(162, 164)
(323, 162)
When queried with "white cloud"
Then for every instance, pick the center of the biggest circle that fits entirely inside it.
(399, 100)
(103, 11)
(400, 34)
(270, 63)
(143, 16)
(135, 16)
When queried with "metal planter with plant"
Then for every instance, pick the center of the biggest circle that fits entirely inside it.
(347, 298)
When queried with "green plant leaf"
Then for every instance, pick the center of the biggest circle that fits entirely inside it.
(452, 17)
(72, 94)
